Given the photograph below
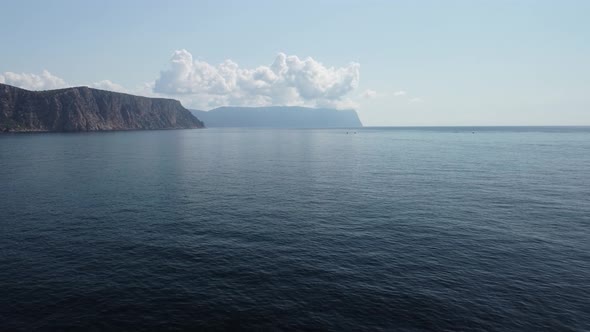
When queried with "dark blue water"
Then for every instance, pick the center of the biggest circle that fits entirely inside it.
(432, 229)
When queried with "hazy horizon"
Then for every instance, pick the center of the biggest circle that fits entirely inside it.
(400, 63)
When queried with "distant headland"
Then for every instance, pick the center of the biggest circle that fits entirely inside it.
(279, 117)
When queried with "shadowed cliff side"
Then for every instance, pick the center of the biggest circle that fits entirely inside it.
(86, 109)
(279, 117)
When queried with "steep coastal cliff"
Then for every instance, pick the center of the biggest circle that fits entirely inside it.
(86, 109)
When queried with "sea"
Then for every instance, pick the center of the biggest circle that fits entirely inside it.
(368, 229)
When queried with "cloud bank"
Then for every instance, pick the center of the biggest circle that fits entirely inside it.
(289, 80)
(44, 81)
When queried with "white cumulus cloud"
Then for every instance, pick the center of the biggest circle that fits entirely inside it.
(48, 81)
(368, 94)
(289, 80)
(400, 93)
(43, 81)
(108, 85)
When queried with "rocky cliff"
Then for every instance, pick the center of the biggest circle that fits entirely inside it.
(279, 117)
(86, 109)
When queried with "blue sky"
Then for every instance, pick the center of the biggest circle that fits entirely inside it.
(396, 62)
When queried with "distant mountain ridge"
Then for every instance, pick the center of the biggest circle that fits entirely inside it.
(87, 109)
(279, 117)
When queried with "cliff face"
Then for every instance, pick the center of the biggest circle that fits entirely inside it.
(86, 109)
(279, 117)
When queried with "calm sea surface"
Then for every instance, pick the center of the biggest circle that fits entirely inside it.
(424, 229)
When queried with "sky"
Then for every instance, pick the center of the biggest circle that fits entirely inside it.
(398, 63)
